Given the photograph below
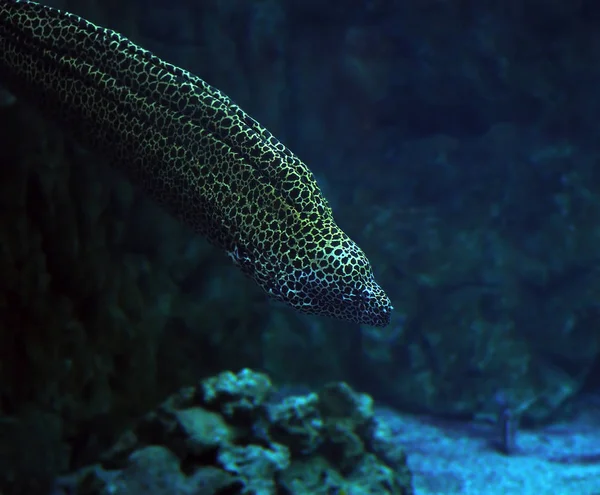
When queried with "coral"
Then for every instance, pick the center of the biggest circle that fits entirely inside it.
(153, 470)
(338, 400)
(381, 442)
(150, 468)
(342, 445)
(312, 476)
(204, 430)
(345, 415)
(372, 477)
(185, 446)
(236, 394)
(255, 466)
(296, 421)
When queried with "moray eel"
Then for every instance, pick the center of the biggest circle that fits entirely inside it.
(196, 153)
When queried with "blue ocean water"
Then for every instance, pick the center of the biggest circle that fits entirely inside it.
(456, 143)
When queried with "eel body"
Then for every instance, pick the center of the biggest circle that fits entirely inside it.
(193, 151)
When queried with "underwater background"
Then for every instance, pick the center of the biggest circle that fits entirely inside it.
(457, 143)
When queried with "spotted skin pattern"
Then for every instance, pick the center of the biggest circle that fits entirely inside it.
(196, 153)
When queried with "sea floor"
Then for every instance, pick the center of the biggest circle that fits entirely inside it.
(452, 458)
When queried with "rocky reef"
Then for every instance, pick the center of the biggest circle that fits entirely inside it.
(237, 433)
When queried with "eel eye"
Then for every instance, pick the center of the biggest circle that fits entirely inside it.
(357, 295)
(365, 297)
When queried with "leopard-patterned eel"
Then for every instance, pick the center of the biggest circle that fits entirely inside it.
(196, 153)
